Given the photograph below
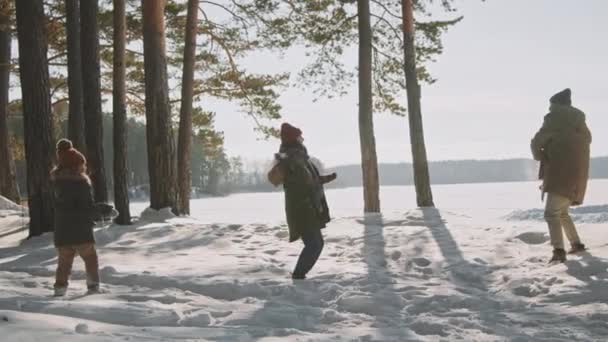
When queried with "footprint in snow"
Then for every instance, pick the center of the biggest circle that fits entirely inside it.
(421, 262)
(533, 238)
(282, 234)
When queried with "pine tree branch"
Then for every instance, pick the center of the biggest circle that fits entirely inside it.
(386, 9)
(398, 34)
(231, 12)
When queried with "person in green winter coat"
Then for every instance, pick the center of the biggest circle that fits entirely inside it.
(305, 203)
(562, 146)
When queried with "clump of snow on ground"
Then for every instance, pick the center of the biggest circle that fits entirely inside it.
(462, 272)
(152, 215)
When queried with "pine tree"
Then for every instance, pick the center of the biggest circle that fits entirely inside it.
(37, 115)
(92, 97)
(8, 181)
(161, 166)
(121, 190)
(185, 123)
(424, 196)
(369, 161)
(76, 127)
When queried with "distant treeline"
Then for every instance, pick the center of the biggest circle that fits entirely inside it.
(443, 172)
(220, 174)
(461, 171)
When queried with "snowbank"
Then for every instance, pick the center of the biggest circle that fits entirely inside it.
(585, 214)
(152, 215)
(6, 204)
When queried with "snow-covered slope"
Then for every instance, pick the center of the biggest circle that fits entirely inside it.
(8, 208)
(474, 270)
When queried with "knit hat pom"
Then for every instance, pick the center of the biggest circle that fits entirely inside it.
(64, 145)
(289, 133)
(68, 157)
(563, 97)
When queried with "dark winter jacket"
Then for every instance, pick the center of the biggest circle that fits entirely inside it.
(562, 145)
(305, 204)
(74, 209)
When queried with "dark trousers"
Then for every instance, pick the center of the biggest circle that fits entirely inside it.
(313, 245)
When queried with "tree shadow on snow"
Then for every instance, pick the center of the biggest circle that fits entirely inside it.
(14, 231)
(511, 318)
(463, 272)
(386, 304)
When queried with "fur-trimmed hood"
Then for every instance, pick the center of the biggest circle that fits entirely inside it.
(59, 174)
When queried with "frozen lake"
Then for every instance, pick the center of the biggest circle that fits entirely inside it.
(498, 197)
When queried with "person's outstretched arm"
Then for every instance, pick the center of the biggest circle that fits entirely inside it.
(328, 178)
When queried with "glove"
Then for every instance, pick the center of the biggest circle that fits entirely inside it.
(329, 178)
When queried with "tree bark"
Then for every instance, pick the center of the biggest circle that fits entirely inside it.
(369, 160)
(37, 115)
(424, 196)
(184, 173)
(89, 43)
(121, 189)
(161, 160)
(76, 109)
(8, 180)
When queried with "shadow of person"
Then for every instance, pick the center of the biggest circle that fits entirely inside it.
(592, 271)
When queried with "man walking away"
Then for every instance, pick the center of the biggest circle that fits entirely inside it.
(562, 147)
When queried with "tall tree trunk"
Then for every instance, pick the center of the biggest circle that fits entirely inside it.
(37, 115)
(184, 173)
(76, 109)
(161, 160)
(424, 196)
(89, 43)
(369, 160)
(121, 192)
(8, 180)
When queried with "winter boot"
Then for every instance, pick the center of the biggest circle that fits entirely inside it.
(576, 248)
(559, 256)
(60, 291)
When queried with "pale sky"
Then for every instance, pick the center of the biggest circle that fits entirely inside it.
(500, 66)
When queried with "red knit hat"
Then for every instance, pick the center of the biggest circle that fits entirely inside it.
(289, 133)
(68, 157)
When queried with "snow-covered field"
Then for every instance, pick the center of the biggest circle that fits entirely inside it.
(473, 270)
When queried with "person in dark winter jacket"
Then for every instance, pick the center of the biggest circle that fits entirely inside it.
(305, 204)
(74, 214)
(562, 147)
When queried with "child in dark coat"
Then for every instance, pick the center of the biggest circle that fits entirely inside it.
(74, 213)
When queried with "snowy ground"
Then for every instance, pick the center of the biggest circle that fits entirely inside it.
(474, 270)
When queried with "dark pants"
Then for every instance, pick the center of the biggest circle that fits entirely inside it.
(313, 245)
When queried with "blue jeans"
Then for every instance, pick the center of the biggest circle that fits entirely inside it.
(313, 245)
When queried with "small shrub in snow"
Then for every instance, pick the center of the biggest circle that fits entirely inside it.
(82, 328)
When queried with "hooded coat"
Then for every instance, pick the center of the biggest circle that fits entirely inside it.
(74, 208)
(306, 207)
(563, 147)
